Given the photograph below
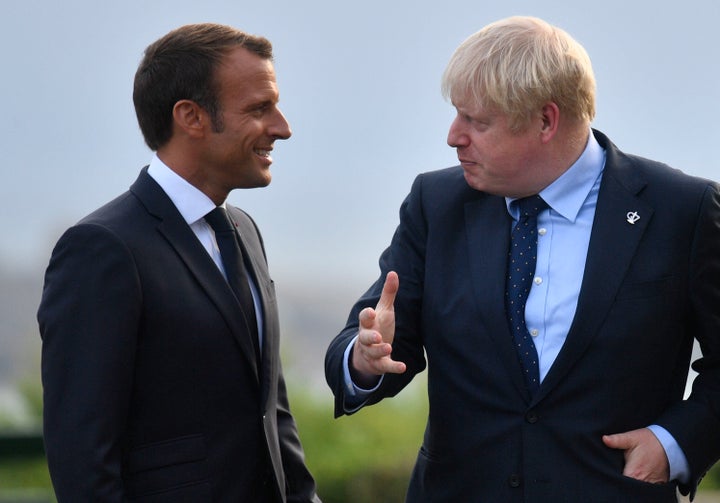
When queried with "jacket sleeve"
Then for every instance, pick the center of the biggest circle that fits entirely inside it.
(406, 256)
(695, 422)
(88, 319)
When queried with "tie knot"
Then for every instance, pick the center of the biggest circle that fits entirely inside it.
(218, 220)
(529, 207)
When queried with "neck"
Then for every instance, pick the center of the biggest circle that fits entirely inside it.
(569, 146)
(185, 164)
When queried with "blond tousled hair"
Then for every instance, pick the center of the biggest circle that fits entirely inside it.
(517, 65)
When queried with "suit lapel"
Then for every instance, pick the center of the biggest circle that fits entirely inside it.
(612, 247)
(488, 234)
(179, 235)
(252, 249)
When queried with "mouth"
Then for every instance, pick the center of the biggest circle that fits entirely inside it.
(264, 153)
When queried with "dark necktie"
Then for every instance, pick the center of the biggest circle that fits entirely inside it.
(521, 269)
(232, 260)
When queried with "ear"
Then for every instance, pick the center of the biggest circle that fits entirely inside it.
(550, 115)
(190, 118)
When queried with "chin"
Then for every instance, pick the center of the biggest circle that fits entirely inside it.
(257, 180)
(474, 183)
(265, 180)
(259, 183)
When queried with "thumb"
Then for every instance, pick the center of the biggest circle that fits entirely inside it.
(618, 441)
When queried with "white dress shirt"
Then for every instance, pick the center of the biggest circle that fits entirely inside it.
(193, 205)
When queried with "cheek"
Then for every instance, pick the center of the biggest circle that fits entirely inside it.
(487, 145)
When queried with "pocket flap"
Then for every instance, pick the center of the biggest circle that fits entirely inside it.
(168, 452)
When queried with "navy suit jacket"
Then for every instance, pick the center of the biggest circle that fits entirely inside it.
(152, 391)
(648, 290)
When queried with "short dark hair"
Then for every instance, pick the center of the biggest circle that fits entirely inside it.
(181, 65)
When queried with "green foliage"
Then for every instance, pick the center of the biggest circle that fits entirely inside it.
(25, 479)
(363, 458)
(711, 481)
(366, 457)
(32, 392)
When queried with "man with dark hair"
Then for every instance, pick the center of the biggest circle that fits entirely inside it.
(554, 285)
(160, 361)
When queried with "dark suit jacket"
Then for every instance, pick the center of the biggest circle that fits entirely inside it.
(648, 290)
(152, 392)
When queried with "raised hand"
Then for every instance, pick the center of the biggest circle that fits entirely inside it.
(372, 351)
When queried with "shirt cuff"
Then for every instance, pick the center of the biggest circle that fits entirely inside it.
(679, 468)
(355, 396)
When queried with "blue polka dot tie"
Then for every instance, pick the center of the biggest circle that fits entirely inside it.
(521, 269)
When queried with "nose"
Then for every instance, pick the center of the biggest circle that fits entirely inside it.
(457, 137)
(280, 128)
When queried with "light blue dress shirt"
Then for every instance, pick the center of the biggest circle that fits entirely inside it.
(563, 238)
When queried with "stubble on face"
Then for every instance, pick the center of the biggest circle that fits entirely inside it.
(237, 155)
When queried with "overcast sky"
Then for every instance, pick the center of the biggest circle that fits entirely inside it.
(359, 83)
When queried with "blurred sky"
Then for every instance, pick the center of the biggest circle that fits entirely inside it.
(359, 83)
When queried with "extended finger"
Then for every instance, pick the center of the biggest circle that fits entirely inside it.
(389, 366)
(389, 291)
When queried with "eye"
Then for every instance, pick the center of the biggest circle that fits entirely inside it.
(260, 109)
(467, 118)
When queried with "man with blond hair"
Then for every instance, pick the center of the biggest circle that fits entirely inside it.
(160, 359)
(555, 286)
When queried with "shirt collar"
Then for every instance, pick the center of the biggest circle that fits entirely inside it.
(567, 194)
(190, 201)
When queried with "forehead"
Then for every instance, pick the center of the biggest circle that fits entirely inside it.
(471, 105)
(246, 73)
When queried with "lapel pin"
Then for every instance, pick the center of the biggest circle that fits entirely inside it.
(632, 217)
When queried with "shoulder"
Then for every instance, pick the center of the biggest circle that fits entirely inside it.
(447, 177)
(104, 232)
(443, 184)
(122, 220)
(112, 212)
(650, 177)
(115, 225)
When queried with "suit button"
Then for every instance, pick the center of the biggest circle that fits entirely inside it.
(514, 480)
(531, 417)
